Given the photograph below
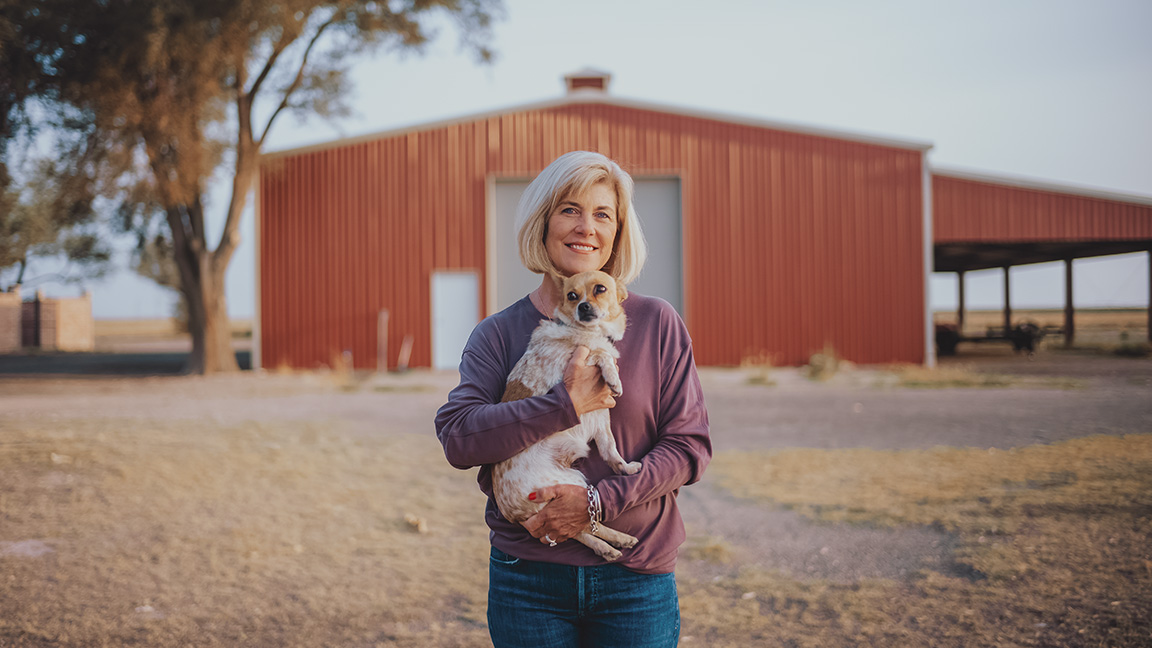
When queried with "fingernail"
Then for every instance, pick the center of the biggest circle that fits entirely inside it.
(532, 496)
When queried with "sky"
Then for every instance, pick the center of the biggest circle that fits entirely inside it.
(1050, 90)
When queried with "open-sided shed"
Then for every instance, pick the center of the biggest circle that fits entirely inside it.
(985, 221)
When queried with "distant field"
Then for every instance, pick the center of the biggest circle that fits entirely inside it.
(1093, 325)
(156, 328)
(1116, 319)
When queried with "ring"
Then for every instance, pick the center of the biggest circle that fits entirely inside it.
(551, 542)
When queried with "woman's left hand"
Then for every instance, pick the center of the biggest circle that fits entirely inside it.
(565, 515)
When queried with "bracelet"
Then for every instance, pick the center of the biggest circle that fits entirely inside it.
(595, 513)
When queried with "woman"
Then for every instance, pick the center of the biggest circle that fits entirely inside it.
(577, 215)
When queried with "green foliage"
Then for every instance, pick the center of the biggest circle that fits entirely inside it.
(41, 219)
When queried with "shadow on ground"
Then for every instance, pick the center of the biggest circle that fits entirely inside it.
(95, 364)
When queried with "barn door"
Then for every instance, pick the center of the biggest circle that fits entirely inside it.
(455, 312)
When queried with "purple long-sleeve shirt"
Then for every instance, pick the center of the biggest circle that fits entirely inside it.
(660, 420)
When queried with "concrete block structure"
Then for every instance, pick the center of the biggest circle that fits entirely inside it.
(10, 309)
(63, 324)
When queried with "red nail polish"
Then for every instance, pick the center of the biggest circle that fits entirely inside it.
(532, 496)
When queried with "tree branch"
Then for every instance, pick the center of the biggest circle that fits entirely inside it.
(281, 45)
(299, 77)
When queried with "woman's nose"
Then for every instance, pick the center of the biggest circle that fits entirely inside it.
(585, 224)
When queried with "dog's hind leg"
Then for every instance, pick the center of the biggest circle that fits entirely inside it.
(614, 537)
(602, 549)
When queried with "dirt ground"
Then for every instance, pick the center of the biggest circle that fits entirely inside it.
(1052, 398)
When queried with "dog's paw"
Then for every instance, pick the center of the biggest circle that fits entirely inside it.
(609, 554)
(630, 468)
(627, 543)
(617, 389)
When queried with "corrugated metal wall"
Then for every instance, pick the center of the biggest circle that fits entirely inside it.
(966, 210)
(791, 241)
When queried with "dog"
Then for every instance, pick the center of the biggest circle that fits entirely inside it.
(589, 314)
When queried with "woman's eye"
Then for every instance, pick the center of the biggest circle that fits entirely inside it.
(599, 290)
(573, 296)
(603, 215)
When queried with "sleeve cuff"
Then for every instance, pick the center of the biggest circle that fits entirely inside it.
(568, 409)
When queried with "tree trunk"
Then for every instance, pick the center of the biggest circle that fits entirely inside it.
(208, 321)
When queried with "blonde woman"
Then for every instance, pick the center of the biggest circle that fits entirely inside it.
(544, 591)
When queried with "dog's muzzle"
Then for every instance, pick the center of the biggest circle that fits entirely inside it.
(587, 312)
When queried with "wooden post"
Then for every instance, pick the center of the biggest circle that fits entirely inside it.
(1150, 295)
(960, 307)
(405, 353)
(1069, 309)
(382, 341)
(1007, 303)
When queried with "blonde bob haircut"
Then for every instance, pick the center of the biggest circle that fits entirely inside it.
(572, 173)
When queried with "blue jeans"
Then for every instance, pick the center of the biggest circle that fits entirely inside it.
(545, 605)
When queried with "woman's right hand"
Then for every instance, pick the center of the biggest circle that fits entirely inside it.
(585, 384)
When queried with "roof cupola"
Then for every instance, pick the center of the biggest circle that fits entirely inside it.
(587, 80)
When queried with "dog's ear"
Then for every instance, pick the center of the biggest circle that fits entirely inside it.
(621, 292)
(559, 281)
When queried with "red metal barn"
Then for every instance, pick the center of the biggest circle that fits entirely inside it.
(770, 239)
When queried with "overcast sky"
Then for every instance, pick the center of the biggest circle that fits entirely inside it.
(1052, 90)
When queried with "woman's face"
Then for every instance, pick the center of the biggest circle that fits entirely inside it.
(582, 229)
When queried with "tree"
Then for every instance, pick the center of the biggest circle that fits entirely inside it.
(42, 218)
(168, 90)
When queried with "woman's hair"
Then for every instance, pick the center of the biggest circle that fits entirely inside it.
(572, 173)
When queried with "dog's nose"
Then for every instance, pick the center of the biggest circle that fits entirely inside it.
(586, 311)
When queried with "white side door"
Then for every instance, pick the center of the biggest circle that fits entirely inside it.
(455, 312)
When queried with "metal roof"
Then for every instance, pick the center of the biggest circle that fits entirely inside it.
(986, 221)
(1022, 182)
(603, 98)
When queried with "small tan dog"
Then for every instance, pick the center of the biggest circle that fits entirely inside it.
(590, 315)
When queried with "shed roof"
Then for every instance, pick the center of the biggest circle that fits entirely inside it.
(984, 220)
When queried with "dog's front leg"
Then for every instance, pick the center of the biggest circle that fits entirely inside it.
(608, 370)
(599, 429)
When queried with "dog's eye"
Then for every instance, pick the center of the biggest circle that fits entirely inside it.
(572, 296)
(599, 289)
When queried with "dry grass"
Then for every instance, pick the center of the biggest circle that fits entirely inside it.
(186, 534)
(156, 328)
(961, 376)
(1101, 329)
(308, 533)
(1054, 547)
(758, 367)
(1133, 320)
